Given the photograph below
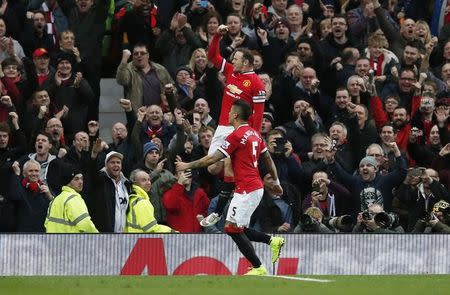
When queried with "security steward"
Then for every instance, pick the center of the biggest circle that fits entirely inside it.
(68, 213)
(140, 212)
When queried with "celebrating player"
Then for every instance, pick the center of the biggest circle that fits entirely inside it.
(241, 83)
(244, 146)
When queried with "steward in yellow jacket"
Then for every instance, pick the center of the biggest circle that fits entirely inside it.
(68, 213)
(140, 212)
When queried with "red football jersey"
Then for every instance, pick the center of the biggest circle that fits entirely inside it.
(243, 146)
(246, 86)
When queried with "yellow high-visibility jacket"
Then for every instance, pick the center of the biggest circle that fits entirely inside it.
(140, 217)
(68, 213)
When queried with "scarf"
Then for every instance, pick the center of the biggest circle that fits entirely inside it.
(153, 132)
(33, 187)
(378, 65)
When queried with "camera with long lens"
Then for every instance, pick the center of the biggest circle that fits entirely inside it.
(386, 220)
(426, 216)
(308, 223)
(366, 215)
(342, 223)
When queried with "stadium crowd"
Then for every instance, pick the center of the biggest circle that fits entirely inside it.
(356, 115)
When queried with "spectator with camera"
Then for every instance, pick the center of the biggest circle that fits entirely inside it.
(424, 154)
(376, 220)
(438, 221)
(287, 162)
(329, 196)
(183, 202)
(420, 190)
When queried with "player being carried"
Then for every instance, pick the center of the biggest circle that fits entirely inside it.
(244, 146)
(241, 83)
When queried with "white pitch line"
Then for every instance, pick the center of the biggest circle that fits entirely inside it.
(300, 279)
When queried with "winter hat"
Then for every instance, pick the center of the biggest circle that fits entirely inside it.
(68, 173)
(65, 56)
(113, 154)
(369, 160)
(150, 146)
(268, 116)
(184, 68)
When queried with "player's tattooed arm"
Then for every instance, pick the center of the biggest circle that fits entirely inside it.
(203, 162)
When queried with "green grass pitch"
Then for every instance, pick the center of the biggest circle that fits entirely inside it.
(234, 285)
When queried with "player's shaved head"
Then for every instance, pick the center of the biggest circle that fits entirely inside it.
(243, 109)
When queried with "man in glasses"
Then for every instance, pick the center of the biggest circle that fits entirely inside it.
(142, 79)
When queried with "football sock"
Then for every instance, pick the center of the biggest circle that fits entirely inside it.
(246, 248)
(224, 196)
(257, 236)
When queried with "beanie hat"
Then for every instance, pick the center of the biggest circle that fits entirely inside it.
(65, 56)
(68, 173)
(369, 160)
(184, 68)
(268, 116)
(150, 146)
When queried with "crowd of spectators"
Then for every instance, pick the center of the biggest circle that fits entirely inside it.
(356, 115)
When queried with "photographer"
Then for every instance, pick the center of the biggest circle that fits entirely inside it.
(311, 222)
(420, 190)
(437, 221)
(330, 197)
(376, 220)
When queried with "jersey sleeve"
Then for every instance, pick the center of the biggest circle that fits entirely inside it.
(218, 61)
(258, 98)
(230, 144)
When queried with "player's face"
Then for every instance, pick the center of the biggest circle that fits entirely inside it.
(238, 61)
(232, 115)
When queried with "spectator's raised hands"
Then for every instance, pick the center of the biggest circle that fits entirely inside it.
(16, 168)
(62, 113)
(125, 55)
(445, 150)
(61, 153)
(160, 165)
(441, 116)
(179, 118)
(14, 119)
(76, 52)
(78, 78)
(98, 147)
(126, 104)
(141, 114)
(222, 30)
(6, 101)
(262, 34)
